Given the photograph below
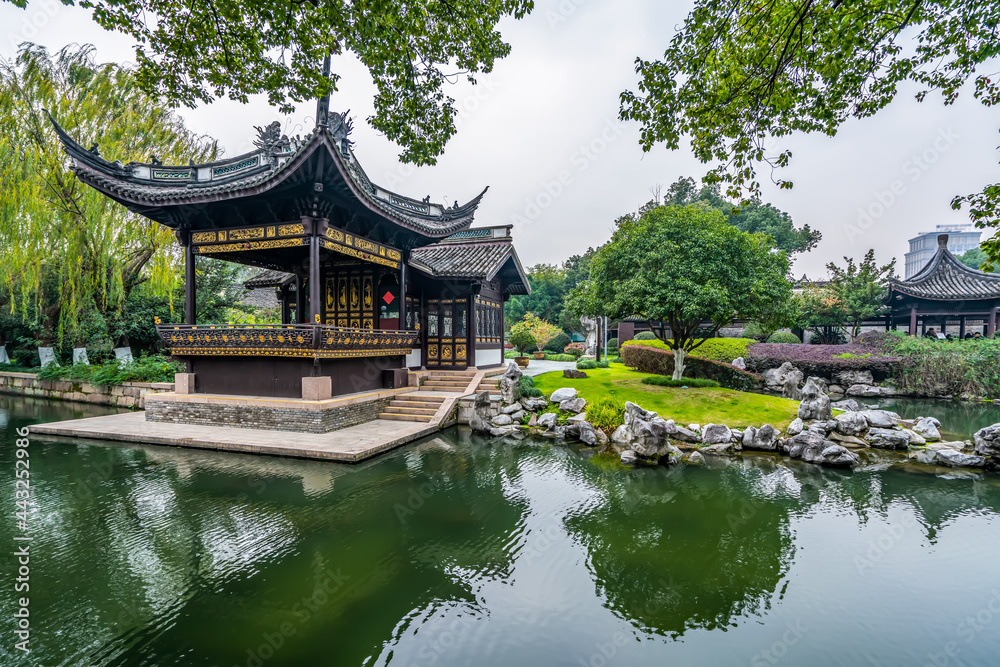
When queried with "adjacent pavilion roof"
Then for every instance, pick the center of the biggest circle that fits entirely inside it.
(283, 179)
(945, 278)
(484, 253)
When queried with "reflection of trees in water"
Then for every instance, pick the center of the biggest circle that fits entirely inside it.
(150, 554)
(690, 548)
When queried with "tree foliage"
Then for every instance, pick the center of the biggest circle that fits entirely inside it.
(979, 260)
(683, 265)
(69, 256)
(191, 52)
(739, 74)
(550, 285)
(753, 216)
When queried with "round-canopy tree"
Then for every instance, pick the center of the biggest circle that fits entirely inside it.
(682, 266)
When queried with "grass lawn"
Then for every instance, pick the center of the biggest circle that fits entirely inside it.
(685, 406)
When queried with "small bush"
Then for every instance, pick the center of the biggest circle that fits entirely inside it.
(784, 337)
(521, 340)
(645, 335)
(576, 349)
(590, 364)
(606, 413)
(560, 357)
(664, 381)
(647, 359)
(612, 344)
(558, 342)
(527, 387)
(836, 338)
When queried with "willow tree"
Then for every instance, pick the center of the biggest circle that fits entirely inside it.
(688, 272)
(67, 253)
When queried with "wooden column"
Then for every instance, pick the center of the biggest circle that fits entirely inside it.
(961, 327)
(315, 293)
(991, 328)
(190, 301)
(300, 300)
(913, 320)
(285, 310)
(402, 292)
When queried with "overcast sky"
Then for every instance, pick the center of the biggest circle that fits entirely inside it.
(549, 111)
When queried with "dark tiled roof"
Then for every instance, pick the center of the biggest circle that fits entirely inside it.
(945, 278)
(151, 185)
(482, 260)
(261, 298)
(269, 278)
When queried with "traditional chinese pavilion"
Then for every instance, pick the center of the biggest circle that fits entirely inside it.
(371, 282)
(944, 292)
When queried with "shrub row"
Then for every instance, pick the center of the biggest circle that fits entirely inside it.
(664, 381)
(716, 349)
(648, 359)
(822, 360)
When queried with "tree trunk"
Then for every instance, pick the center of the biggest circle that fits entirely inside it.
(679, 356)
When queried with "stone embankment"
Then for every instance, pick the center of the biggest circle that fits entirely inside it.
(127, 395)
(815, 436)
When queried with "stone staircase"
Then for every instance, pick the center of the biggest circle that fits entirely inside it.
(453, 381)
(490, 384)
(416, 407)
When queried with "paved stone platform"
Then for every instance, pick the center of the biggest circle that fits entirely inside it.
(348, 445)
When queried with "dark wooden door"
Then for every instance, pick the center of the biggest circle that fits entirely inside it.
(447, 333)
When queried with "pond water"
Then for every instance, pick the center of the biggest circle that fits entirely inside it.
(457, 551)
(959, 419)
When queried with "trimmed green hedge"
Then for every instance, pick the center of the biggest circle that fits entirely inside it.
(664, 381)
(590, 364)
(716, 349)
(784, 337)
(647, 359)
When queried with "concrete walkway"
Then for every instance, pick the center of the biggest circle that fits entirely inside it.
(348, 445)
(539, 366)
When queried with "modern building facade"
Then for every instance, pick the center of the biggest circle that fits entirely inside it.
(961, 238)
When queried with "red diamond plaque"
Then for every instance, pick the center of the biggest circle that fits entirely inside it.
(388, 298)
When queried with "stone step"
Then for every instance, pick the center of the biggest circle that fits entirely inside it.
(404, 418)
(410, 410)
(447, 386)
(427, 405)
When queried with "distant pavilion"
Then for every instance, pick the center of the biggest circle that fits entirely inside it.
(944, 292)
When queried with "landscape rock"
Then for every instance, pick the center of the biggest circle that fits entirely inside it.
(583, 431)
(815, 404)
(884, 438)
(764, 439)
(790, 388)
(511, 409)
(740, 363)
(500, 431)
(621, 435)
(685, 435)
(502, 420)
(833, 455)
(847, 440)
(573, 405)
(868, 390)
(928, 428)
(714, 434)
(534, 404)
(556, 432)
(881, 418)
(848, 378)
(796, 427)
(510, 389)
(821, 383)
(784, 380)
(695, 458)
(848, 404)
(560, 395)
(573, 374)
(548, 420)
(835, 389)
(850, 423)
(519, 416)
(915, 438)
(956, 459)
(482, 412)
(577, 418)
(695, 427)
(720, 449)
(629, 457)
(988, 441)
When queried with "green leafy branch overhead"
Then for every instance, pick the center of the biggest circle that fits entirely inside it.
(741, 73)
(195, 52)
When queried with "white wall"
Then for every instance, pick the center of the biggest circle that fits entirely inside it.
(489, 357)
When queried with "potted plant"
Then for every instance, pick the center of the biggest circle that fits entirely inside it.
(540, 331)
(521, 339)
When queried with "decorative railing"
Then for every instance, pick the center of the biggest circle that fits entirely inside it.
(284, 340)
